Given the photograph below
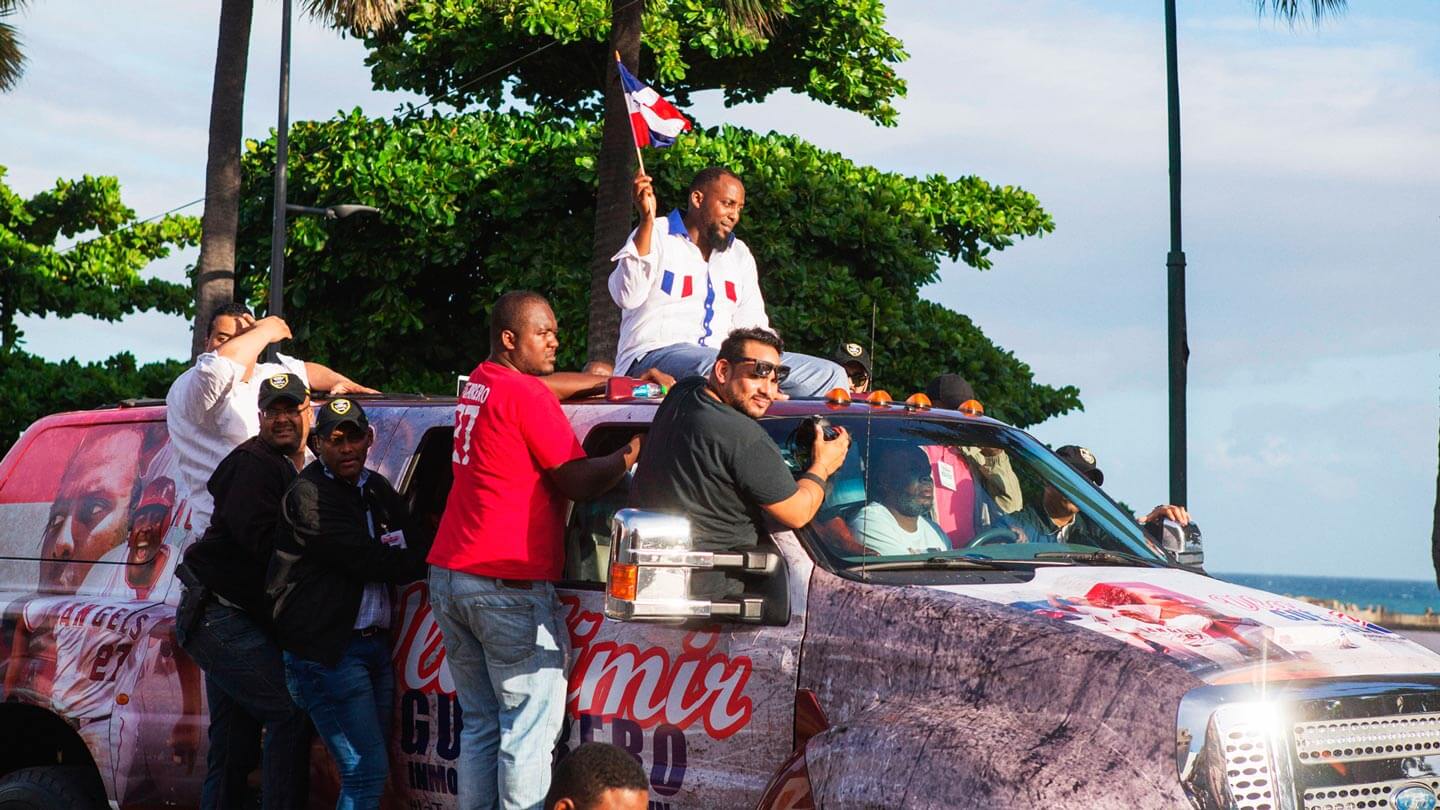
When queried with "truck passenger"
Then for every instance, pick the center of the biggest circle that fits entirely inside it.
(211, 407)
(708, 459)
(684, 281)
(499, 549)
(345, 535)
(223, 621)
(898, 520)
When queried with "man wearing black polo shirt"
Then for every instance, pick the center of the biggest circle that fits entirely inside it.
(708, 459)
(224, 573)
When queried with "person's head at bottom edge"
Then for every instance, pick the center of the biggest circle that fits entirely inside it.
(598, 776)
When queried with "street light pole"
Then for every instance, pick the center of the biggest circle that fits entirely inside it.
(282, 148)
(1179, 350)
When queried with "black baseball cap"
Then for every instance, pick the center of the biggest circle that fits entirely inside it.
(950, 391)
(1083, 461)
(847, 353)
(282, 386)
(338, 412)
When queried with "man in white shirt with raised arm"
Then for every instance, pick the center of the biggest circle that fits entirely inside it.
(211, 407)
(685, 282)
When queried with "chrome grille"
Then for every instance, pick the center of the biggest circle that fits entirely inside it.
(1368, 738)
(1324, 744)
(1359, 797)
(1246, 753)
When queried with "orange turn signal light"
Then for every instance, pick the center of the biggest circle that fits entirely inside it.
(879, 399)
(918, 402)
(624, 580)
(838, 396)
(971, 407)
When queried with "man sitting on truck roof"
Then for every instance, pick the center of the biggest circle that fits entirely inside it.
(684, 281)
(708, 459)
(211, 407)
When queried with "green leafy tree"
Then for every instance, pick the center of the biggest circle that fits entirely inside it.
(834, 51)
(481, 203)
(35, 387)
(100, 275)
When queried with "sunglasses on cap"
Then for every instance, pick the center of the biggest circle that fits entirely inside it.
(764, 369)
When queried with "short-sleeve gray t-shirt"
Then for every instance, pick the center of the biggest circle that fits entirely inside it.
(712, 464)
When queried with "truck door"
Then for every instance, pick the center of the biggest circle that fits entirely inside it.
(708, 709)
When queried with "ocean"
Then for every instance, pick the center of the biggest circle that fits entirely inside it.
(1400, 596)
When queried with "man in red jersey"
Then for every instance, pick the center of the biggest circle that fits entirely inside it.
(499, 548)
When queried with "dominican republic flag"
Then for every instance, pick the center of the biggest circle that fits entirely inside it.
(654, 120)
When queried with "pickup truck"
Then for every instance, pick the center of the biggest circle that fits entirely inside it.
(997, 668)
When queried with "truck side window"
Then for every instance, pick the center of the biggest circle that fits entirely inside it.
(587, 532)
(431, 478)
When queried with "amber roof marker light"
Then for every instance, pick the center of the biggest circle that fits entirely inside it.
(918, 402)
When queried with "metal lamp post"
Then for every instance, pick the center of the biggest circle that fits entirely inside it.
(1179, 350)
(282, 207)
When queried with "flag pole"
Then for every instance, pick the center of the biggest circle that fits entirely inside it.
(638, 157)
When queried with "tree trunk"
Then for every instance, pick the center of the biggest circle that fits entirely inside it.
(215, 271)
(614, 170)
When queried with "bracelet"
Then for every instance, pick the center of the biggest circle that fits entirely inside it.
(809, 476)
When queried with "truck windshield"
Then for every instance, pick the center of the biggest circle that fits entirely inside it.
(937, 492)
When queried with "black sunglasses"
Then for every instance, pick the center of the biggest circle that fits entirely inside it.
(764, 369)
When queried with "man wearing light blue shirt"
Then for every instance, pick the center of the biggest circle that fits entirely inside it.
(684, 282)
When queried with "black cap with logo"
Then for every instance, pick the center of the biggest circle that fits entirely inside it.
(847, 354)
(339, 412)
(282, 386)
(1083, 461)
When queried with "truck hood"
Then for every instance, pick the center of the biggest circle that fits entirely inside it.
(1220, 632)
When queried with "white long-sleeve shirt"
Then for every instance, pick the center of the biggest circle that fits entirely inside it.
(673, 295)
(209, 411)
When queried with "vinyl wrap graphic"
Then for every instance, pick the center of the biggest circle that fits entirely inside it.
(1221, 632)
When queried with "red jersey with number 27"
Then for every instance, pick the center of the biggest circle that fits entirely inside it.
(505, 518)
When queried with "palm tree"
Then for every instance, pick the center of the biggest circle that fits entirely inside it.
(12, 60)
(1292, 10)
(615, 165)
(215, 270)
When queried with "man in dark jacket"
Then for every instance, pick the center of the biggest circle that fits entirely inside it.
(345, 536)
(229, 613)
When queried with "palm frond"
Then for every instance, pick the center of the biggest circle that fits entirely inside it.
(358, 17)
(1292, 11)
(758, 16)
(12, 60)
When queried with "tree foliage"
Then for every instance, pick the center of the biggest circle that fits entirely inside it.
(478, 204)
(100, 275)
(35, 387)
(834, 51)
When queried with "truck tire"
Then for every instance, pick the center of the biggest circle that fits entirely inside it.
(53, 787)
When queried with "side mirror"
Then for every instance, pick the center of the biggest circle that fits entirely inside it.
(652, 559)
(1182, 544)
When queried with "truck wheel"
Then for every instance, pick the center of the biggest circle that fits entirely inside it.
(52, 787)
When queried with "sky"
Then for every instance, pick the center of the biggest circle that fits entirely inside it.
(1311, 163)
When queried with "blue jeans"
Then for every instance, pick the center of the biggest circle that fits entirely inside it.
(350, 705)
(809, 376)
(245, 687)
(506, 649)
